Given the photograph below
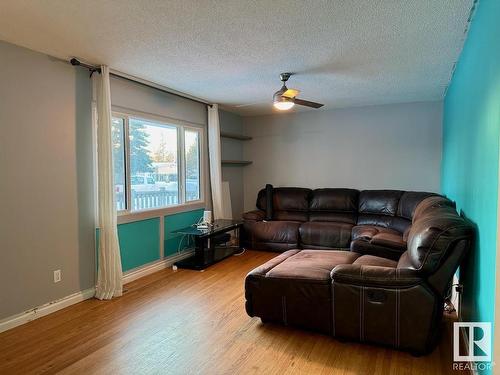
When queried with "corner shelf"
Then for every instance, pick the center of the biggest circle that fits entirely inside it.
(235, 136)
(236, 162)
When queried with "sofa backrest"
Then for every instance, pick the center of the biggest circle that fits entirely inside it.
(379, 207)
(387, 208)
(410, 200)
(429, 204)
(435, 232)
(334, 205)
(289, 203)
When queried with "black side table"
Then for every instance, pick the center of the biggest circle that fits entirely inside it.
(206, 252)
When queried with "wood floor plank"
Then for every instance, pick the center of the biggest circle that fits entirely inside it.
(189, 322)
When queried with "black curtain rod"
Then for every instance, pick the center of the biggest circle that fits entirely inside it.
(94, 69)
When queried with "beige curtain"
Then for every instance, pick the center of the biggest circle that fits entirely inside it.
(214, 149)
(109, 273)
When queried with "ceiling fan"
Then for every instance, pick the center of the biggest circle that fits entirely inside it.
(286, 98)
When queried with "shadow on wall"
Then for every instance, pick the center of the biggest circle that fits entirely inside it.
(469, 278)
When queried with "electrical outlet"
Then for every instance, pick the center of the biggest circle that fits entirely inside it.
(57, 276)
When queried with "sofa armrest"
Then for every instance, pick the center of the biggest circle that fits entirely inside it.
(256, 215)
(376, 276)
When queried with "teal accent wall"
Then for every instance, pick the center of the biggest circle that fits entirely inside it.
(139, 243)
(471, 133)
(179, 221)
(140, 240)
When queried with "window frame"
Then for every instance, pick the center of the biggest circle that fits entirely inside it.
(200, 159)
(128, 215)
(125, 161)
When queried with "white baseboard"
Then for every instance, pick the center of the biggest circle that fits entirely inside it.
(48, 308)
(150, 268)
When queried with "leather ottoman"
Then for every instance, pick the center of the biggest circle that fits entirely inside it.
(294, 288)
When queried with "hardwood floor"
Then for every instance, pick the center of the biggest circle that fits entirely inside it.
(189, 322)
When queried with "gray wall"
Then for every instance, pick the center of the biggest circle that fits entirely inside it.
(232, 149)
(46, 189)
(392, 146)
(134, 96)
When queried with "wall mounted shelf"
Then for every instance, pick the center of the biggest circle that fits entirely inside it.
(235, 136)
(236, 162)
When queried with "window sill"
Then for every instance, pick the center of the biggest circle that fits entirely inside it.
(129, 217)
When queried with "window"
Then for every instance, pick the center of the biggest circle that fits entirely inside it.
(118, 129)
(150, 158)
(192, 150)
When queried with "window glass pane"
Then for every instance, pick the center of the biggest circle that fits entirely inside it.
(192, 152)
(153, 165)
(119, 162)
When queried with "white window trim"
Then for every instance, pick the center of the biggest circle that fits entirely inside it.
(127, 215)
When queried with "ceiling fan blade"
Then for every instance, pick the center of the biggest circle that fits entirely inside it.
(291, 93)
(307, 103)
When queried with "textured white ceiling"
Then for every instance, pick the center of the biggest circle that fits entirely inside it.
(344, 52)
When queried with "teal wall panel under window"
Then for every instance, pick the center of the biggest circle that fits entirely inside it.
(139, 242)
(471, 132)
(178, 221)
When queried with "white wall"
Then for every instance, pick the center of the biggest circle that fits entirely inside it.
(46, 189)
(391, 146)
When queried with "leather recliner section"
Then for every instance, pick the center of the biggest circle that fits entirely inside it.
(379, 298)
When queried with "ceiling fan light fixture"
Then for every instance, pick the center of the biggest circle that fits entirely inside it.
(283, 106)
(281, 102)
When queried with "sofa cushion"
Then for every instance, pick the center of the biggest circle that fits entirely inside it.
(371, 260)
(380, 241)
(362, 246)
(325, 234)
(291, 215)
(393, 240)
(367, 232)
(263, 269)
(275, 231)
(334, 205)
(295, 289)
(313, 265)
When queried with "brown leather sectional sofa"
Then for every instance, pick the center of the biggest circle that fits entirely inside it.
(371, 266)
